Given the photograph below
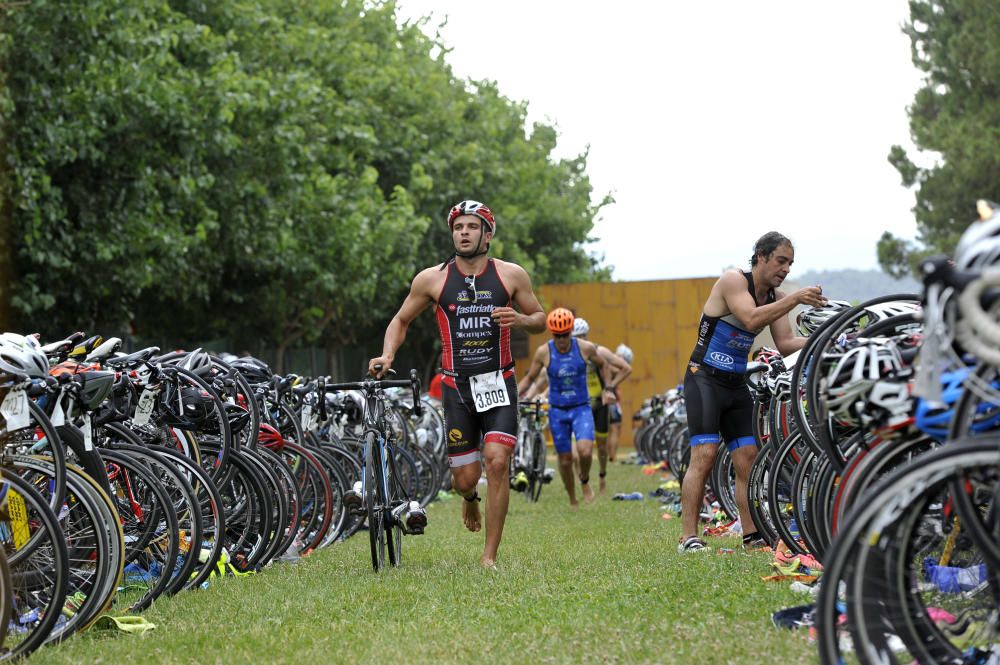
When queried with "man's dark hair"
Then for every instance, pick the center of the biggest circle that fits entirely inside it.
(766, 245)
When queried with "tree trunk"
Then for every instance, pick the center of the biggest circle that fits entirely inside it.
(6, 232)
(333, 360)
(279, 357)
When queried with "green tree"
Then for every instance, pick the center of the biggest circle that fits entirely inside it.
(269, 172)
(955, 118)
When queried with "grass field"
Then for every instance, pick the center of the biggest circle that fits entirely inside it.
(601, 584)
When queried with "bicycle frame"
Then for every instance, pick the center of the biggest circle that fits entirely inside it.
(378, 469)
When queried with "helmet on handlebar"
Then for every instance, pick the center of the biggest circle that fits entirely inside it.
(255, 371)
(270, 437)
(199, 362)
(812, 319)
(934, 417)
(979, 246)
(21, 354)
(852, 376)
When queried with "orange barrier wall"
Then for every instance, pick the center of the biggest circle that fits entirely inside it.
(658, 319)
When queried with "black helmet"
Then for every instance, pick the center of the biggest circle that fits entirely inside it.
(254, 371)
(194, 409)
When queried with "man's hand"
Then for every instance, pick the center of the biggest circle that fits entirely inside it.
(385, 363)
(507, 317)
(608, 397)
(811, 295)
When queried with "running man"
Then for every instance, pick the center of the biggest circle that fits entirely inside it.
(473, 297)
(739, 307)
(565, 360)
(615, 410)
(601, 400)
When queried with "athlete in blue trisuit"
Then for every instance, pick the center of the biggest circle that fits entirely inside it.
(718, 402)
(565, 361)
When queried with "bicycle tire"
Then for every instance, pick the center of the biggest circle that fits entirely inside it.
(374, 493)
(51, 563)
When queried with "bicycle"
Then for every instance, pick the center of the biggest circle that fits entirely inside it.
(382, 495)
(527, 464)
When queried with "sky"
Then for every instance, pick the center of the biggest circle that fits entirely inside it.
(710, 123)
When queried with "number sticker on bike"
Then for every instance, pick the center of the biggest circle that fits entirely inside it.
(489, 391)
(15, 410)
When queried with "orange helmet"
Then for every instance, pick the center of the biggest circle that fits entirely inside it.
(560, 321)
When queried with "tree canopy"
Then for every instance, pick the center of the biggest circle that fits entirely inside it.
(271, 171)
(954, 119)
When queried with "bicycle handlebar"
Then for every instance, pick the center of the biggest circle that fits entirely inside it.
(369, 385)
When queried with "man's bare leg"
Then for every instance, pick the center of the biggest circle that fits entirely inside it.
(568, 477)
(464, 480)
(586, 450)
(693, 488)
(576, 459)
(497, 458)
(602, 458)
(614, 434)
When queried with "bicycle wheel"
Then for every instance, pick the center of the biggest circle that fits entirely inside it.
(802, 483)
(150, 524)
(396, 495)
(41, 436)
(679, 452)
(779, 491)
(338, 485)
(722, 480)
(374, 493)
(96, 552)
(352, 473)
(289, 488)
(538, 467)
(212, 518)
(757, 495)
(39, 562)
(6, 596)
(863, 563)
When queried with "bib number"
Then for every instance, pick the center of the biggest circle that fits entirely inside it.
(489, 391)
(310, 419)
(145, 407)
(15, 410)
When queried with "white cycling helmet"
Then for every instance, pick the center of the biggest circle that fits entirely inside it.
(885, 310)
(812, 319)
(979, 246)
(580, 327)
(624, 352)
(851, 379)
(22, 355)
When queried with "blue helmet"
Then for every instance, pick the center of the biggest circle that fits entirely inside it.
(934, 417)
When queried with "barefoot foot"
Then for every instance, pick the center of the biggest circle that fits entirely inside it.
(470, 515)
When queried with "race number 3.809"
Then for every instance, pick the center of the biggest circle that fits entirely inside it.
(489, 391)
